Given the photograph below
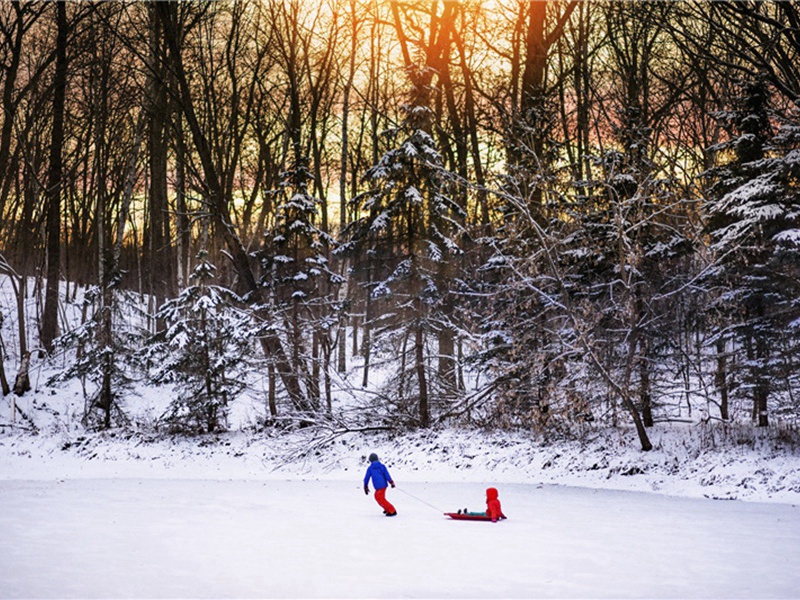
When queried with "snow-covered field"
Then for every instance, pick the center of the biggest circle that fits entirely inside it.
(234, 516)
(196, 538)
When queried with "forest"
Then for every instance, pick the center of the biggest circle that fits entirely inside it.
(550, 215)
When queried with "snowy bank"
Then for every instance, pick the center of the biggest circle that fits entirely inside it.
(690, 461)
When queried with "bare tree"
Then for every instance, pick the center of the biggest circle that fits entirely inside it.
(219, 202)
(55, 182)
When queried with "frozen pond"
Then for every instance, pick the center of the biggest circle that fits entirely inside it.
(172, 538)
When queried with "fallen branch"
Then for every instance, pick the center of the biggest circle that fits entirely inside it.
(322, 440)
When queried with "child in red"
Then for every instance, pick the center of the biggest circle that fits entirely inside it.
(380, 478)
(493, 509)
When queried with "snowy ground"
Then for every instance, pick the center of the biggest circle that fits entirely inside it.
(130, 516)
(180, 538)
(713, 511)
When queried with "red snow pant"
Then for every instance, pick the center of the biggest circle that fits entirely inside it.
(380, 498)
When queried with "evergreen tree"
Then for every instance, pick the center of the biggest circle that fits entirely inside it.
(203, 351)
(754, 221)
(402, 241)
(105, 354)
(297, 273)
(583, 298)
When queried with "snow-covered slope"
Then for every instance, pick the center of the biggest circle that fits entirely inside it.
(739, 466)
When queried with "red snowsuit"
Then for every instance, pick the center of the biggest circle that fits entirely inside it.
(493, 509)
(380, 498)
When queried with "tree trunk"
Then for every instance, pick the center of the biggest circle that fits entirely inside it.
(474, 141)
(158, 232)
(22, 383)
(105, 334)
(182, 247)
(419, 360)
(531, 90)
(313, 383)
(20, 289)
(3, 381)
(55, 183)
(644, 390)
(401, 384)
(10, 72)
(341, 365)
(341, 342)
(327, 349)
(273, 407)
(447, 362)
(761, 390)
(721, 379)
(366, 338)
(644, 440)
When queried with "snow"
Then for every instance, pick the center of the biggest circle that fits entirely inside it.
(124, 515)
(409, 150)
(264, 538)
(413, 195)
(746, 201)
(792, 158)
(789, 236)
(381, 221)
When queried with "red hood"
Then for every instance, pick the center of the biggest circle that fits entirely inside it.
(491, 494)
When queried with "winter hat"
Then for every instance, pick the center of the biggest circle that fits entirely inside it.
(373, 457)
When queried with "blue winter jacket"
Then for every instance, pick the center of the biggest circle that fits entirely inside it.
(379, 474)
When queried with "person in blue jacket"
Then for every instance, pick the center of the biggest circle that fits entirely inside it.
(380, 478)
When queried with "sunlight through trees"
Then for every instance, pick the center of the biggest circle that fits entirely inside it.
(519, 214)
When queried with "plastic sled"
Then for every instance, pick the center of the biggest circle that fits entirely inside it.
(468, 516)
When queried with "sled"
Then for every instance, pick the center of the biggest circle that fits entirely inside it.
(459, 516)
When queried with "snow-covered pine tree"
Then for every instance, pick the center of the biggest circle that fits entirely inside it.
(105, 346)
(297, 273)
(401, 242)
(629, 248)
(203, 351)
(753, 217)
